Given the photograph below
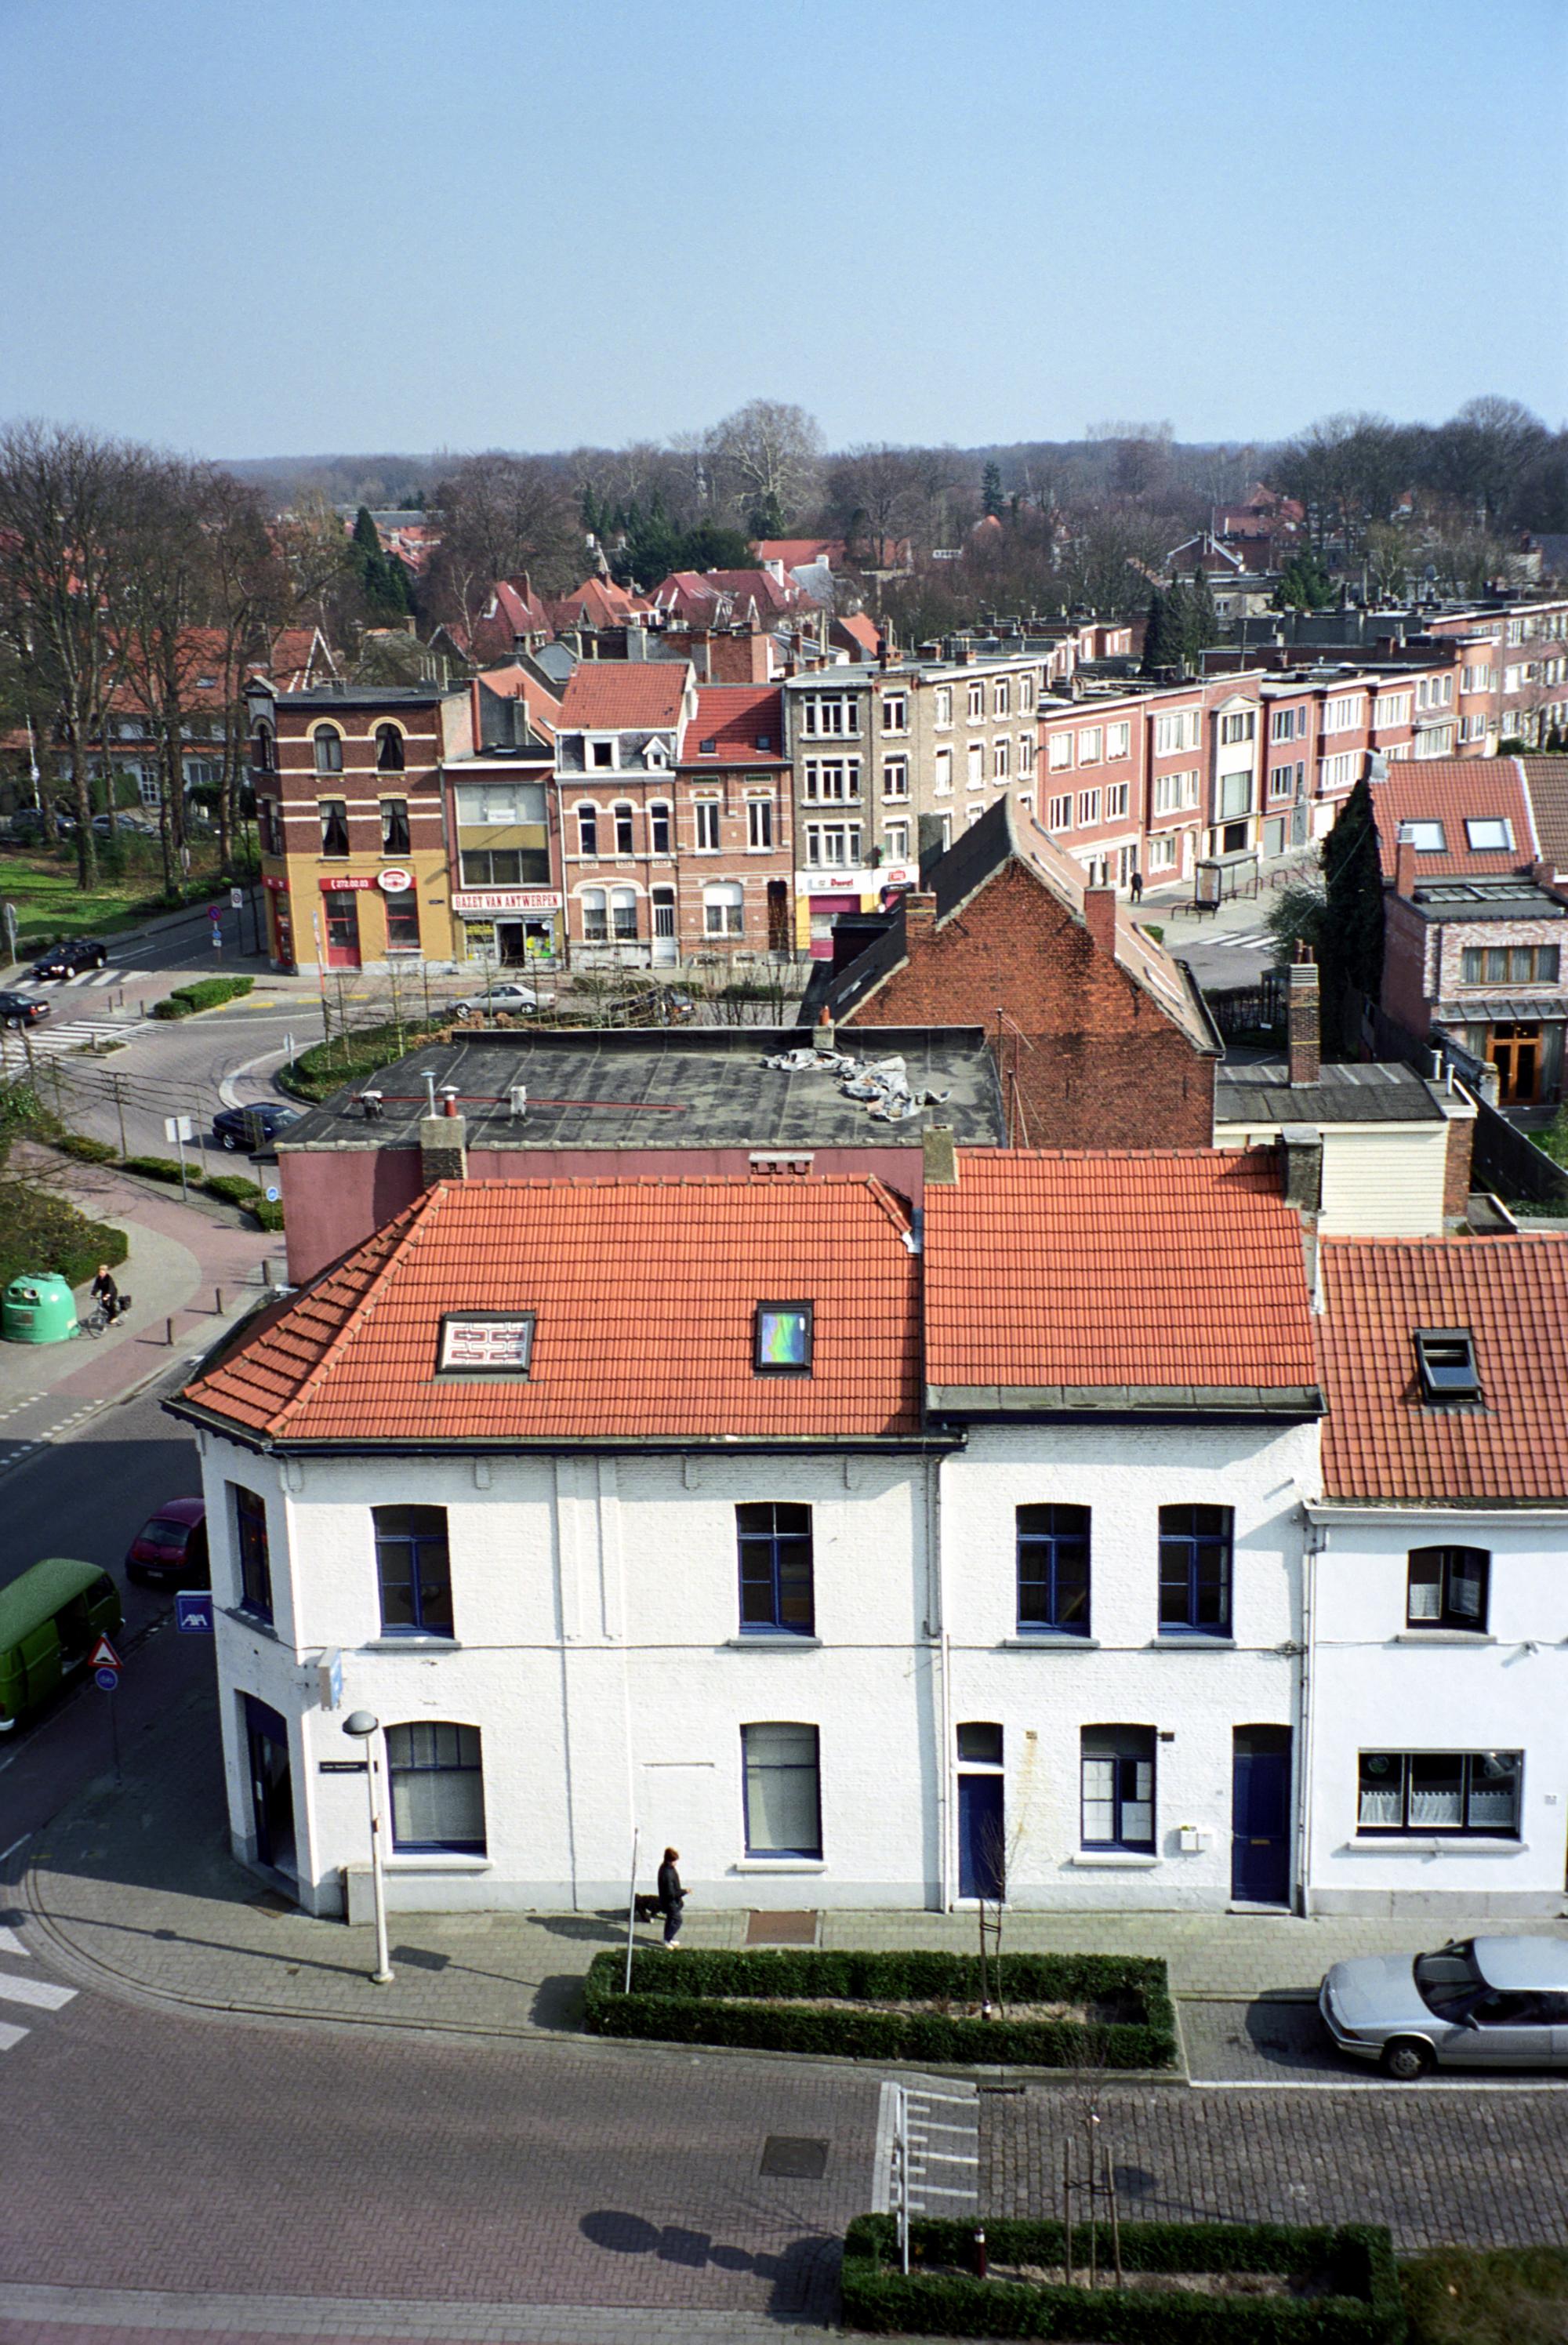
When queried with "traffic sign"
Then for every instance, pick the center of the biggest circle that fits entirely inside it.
(103, 1656)
(273, 1194)
(106, 1681)
(236, 897)
(193, 1612)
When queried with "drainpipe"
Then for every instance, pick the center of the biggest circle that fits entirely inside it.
(1307, 1713)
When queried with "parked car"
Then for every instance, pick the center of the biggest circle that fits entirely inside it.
(233, 1127)
(69, 958)
(1476, 2003)
(515, 999)
(22, 1010)
(172, 1546)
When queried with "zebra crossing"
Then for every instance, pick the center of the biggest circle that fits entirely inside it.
(55, 1036)
(29, 1994)
(1245, 939)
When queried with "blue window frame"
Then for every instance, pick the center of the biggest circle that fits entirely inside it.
(782, 1790)
(437, 1779)
(777, 1593)
(415, 1571)
(1195, 1545)
(1118, 1788)
(1054, 1570)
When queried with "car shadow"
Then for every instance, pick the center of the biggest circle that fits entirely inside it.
(803, 2275)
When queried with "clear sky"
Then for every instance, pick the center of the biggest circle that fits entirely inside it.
(310, 226)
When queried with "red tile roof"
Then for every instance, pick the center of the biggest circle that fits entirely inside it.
(734, 718)
(645, 1292)
(798, 553)
(861, 628)
(597, 603)
(1547, 780)
(605, 696)
(1047, 1267)
(1446, 790)
(515, 683)
(1381, 1444)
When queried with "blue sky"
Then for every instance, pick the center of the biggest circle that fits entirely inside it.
(305, 225)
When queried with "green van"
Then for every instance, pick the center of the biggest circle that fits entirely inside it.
(50, 1619)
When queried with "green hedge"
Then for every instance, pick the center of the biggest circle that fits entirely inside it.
(159, 1168)
(676, 1997)
(325, 1067)
(232, 1187)
(1365, 2308)
(39, 1231)
(266, 1212)
(84, 1150)
(206, 993)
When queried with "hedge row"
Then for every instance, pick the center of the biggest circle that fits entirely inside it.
(232, 1187)
(206, 993)
(1365, 2308)
(158, 1168)
(758, 2000)
(84, 1150)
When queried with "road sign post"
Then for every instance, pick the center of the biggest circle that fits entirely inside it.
(104, 1664)
(179, 1129)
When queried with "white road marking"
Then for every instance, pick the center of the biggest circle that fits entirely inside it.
(10, 1944)
(10, 2036)
(34, 1990)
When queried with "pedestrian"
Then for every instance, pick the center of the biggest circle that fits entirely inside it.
(1136, 885)
(672, 1897)
(105, 1292)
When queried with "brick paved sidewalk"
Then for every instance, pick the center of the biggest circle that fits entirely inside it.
(137, 1886)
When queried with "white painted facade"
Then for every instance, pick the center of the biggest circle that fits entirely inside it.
(597, 1651)
(1378, 1684)
(1380, 1180)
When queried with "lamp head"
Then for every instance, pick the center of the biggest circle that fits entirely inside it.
(362, 1723)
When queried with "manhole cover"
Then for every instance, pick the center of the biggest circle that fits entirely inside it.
(781, 1929)
(790, 2153)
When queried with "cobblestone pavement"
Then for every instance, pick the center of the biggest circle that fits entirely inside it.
(125, 2317)
(1477, 2170)
(1275, 2041)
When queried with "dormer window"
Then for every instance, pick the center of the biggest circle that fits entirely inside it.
(1446, 1358)
(601, 755)
(707, 748)
(782, 1339)
(1426, 837)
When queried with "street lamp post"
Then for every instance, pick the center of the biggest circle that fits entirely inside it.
(364, 1726)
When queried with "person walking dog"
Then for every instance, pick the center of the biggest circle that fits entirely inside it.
(672, 1897)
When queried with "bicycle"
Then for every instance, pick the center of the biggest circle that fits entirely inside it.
(102, 1315)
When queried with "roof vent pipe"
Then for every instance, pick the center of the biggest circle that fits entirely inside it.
(517, 1100)
(429, 1075)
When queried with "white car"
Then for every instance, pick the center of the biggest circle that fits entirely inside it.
(512, 999)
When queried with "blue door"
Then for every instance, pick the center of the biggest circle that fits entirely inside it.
(980, 1847)
(1260, 1816)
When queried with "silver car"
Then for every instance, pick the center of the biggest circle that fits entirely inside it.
(512, 999)
(1477, 2003)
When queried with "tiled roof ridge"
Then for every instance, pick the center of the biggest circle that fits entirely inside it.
(414, 1221)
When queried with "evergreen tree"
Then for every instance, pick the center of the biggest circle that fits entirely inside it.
(1304, 583)
(1155, 636)
(1205, 618)
(367, 537)
(1178, 625)
(991, 489)
(1352, 917)
(767, 520)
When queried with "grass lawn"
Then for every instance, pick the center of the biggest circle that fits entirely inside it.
(49, 904)
(1499, 2296)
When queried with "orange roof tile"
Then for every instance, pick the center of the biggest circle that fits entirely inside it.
(602, 695)
(1381, 1442)
(1447, 790)
(645, 1292)
(1058, 1268)
(734, 718)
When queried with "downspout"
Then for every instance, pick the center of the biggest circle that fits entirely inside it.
(942, 1709)
(1307, 1715)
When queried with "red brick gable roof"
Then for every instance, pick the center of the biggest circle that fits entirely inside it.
(1447, 790)
(1382, 1443)
(1180, 1270)
(607, 696)
(734, 718)
(645, 1292)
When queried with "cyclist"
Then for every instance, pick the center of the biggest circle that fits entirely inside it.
(106, 1292)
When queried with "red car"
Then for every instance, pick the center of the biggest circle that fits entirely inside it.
(173, 1546)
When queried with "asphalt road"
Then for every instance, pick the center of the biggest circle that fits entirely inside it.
(88, 1497)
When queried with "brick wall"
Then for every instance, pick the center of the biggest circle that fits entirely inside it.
(1457, 1168)
(1099, 1065)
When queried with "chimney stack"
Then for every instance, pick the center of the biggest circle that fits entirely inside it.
(1302, 1146)
(443, 1147)
(941, 1156)
(1100, 918)
(919, 913)
(1303, 1029)
(1404, 867)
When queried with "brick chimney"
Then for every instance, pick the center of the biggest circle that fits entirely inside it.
(919, 915)
(1303, 1029)
(1100, 918)
(1404, 869)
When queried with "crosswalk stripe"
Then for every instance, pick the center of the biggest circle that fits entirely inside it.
(10, 2036)
(10, 1944)
(34, 1990)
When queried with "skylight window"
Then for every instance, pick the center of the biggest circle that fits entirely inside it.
(1490, 835)
(1426, 837)
(1446, 1358)
(782, 1339)
(485, 1344)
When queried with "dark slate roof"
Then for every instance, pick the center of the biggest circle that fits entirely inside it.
(1486, 899)
(691, 1087)
(1263, 1094)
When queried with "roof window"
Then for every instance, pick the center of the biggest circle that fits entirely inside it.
(485, 1344)
(1492, 834)
(782, 1341)
(1426, 837)
(1446, 1358)
(708, 748)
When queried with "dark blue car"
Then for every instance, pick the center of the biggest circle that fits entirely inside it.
(234, 1127)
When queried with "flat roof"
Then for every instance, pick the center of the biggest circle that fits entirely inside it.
(1486, 899)
(1381, 1094)
(690, 1087)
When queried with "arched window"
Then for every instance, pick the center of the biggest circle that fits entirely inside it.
(328, 749)
(623, 845)
(723, 909)
(262, 758)
(659, 828)
(389, 750)
(623, 914)
(436, 1777)
(664, 901)
(595, 926)
(588, 830)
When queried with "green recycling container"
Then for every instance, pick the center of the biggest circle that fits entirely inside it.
(38, 1308)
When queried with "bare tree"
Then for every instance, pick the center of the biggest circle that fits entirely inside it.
(501, 516)
(768, 451)
(62, 513)
(874, 495)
